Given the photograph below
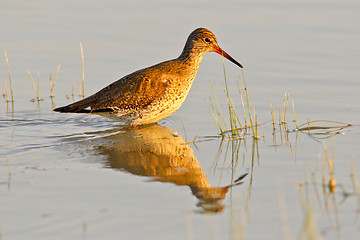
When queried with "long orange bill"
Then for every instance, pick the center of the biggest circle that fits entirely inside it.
(223, 53)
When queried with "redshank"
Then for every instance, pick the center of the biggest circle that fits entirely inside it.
(151, 94)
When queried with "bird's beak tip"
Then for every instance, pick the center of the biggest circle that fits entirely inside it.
(224, 54)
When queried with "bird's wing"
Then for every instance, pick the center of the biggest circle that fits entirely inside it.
(131, 92)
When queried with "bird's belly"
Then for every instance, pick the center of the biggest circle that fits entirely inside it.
(158, 109)
(163, 107)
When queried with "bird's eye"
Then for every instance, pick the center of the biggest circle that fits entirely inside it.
(207, 40)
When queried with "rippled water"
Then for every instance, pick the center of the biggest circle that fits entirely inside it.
(71, 176)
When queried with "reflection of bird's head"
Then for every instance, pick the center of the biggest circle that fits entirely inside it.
(210, 199)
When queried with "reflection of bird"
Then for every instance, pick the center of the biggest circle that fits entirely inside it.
(155, 151)
(153, 93)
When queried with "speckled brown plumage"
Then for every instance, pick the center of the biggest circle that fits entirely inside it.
(151, 94)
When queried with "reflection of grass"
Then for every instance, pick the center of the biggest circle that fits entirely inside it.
(235, 150)
(309, 229)
(309, 200)
(356, 187)
(332, 182)
(327, 200)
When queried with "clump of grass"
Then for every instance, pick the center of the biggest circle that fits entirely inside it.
(36, 87)
(282, 121)
(325, 129)
(235, 130)
(282, 111)
(10, 81)
(52, 82)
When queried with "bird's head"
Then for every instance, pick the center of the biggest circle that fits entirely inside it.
(202, 41)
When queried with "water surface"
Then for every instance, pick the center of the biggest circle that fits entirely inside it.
(82, 176)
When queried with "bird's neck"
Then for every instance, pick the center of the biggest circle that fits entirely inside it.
(191, 57)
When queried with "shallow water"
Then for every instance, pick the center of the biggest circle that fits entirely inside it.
(71, 176)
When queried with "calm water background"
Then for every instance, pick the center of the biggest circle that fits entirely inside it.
(57, 181)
